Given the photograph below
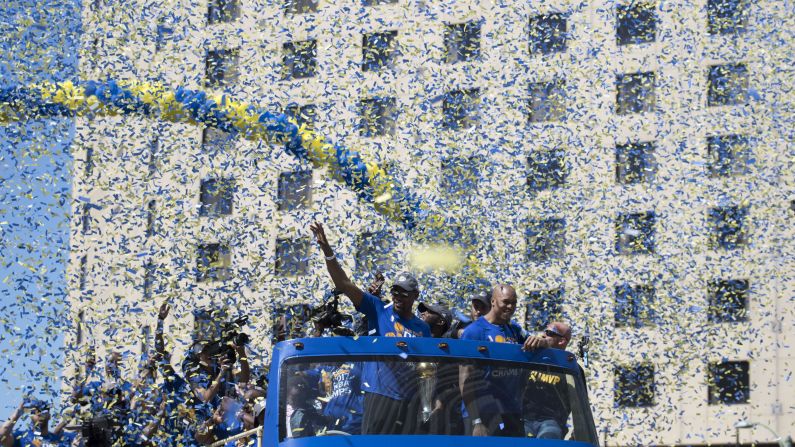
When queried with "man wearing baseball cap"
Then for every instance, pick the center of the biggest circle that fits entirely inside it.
(437, 316)
(387, 393)
(479, 305)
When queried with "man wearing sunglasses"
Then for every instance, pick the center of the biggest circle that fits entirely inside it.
(546, 400)
(388, 387)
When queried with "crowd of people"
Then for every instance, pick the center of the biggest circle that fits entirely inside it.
(217, 396)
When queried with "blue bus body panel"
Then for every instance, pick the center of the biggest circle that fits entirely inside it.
(425, 441)
(404, 348)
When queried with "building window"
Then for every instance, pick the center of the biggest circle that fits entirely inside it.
(546, 169)
(150, 217)
(635, 163)
(79, 328)
(728, 155)
(634, 385)
(461, 175)
(305, 115)
(727, 85)
(635, 93)
(460, 108)
(300, 6)
(635, 233)
(543, 307)
(83, 272)
(548, 34)
(545, 239)
(379, 50)
(220, 68)
(85, 218)
(295, 190)
(636, 22)
(215, 139)
(149, 279)
(154, 152)
(727, 16)
(379, 2)
(375, 252)
(89, 166)
(635, 305)
(214, 262)
(547, 101)
(217, 197)
(300, 59)
(165, 34)
(462, 41)
(292, 256)
(378, 117)
(222, 11)
(727, 225)
(729, 383)
(728, 300)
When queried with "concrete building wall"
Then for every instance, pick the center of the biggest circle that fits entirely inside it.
(119, 43)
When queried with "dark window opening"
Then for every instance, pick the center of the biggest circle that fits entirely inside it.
(636, 23)
(292, 256)
(729, 383)
(634, 386)
(635, 233)
(295, 190)
(379, 50)
(543, 307)
(300, 59)
(460, 108)
(546, 239)
(548, 34)
(728, 300)
(462, 41)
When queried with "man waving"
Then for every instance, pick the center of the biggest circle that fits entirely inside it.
(388, 387)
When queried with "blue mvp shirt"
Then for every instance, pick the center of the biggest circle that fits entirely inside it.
(503, 383)
(390, 379)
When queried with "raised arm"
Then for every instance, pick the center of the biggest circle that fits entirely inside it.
(160, 345)
(7, 431)
(338, 275)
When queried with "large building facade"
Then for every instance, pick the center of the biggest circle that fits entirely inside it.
(627, 165)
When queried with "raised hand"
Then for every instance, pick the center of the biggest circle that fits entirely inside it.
(163, 312)
(320, 236)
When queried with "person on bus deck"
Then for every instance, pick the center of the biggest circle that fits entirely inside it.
(479, 305)
(491, 405)
(302, 419)
(445, 417)
(546, 405)
(389, 387)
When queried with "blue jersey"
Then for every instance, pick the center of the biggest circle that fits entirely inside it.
(29, 437)
(394, 380)
(346, 406)
(503, 383)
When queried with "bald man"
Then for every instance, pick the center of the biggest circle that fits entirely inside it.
(546, 400)
(496, 409)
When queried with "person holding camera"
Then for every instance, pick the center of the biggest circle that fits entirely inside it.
(388, 387)
(39, 432)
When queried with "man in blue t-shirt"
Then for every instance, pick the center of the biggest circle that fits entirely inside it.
(492, 404)
(389, 388)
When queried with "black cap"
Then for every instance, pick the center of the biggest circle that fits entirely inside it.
(481, 296)
(407, 282)
(439, 309)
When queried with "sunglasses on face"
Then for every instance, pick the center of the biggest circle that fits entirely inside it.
(551, 333)
(399, 292)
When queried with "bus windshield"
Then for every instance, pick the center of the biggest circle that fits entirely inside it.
(434, 396)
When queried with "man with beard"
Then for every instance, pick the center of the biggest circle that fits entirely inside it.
(389, 388)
